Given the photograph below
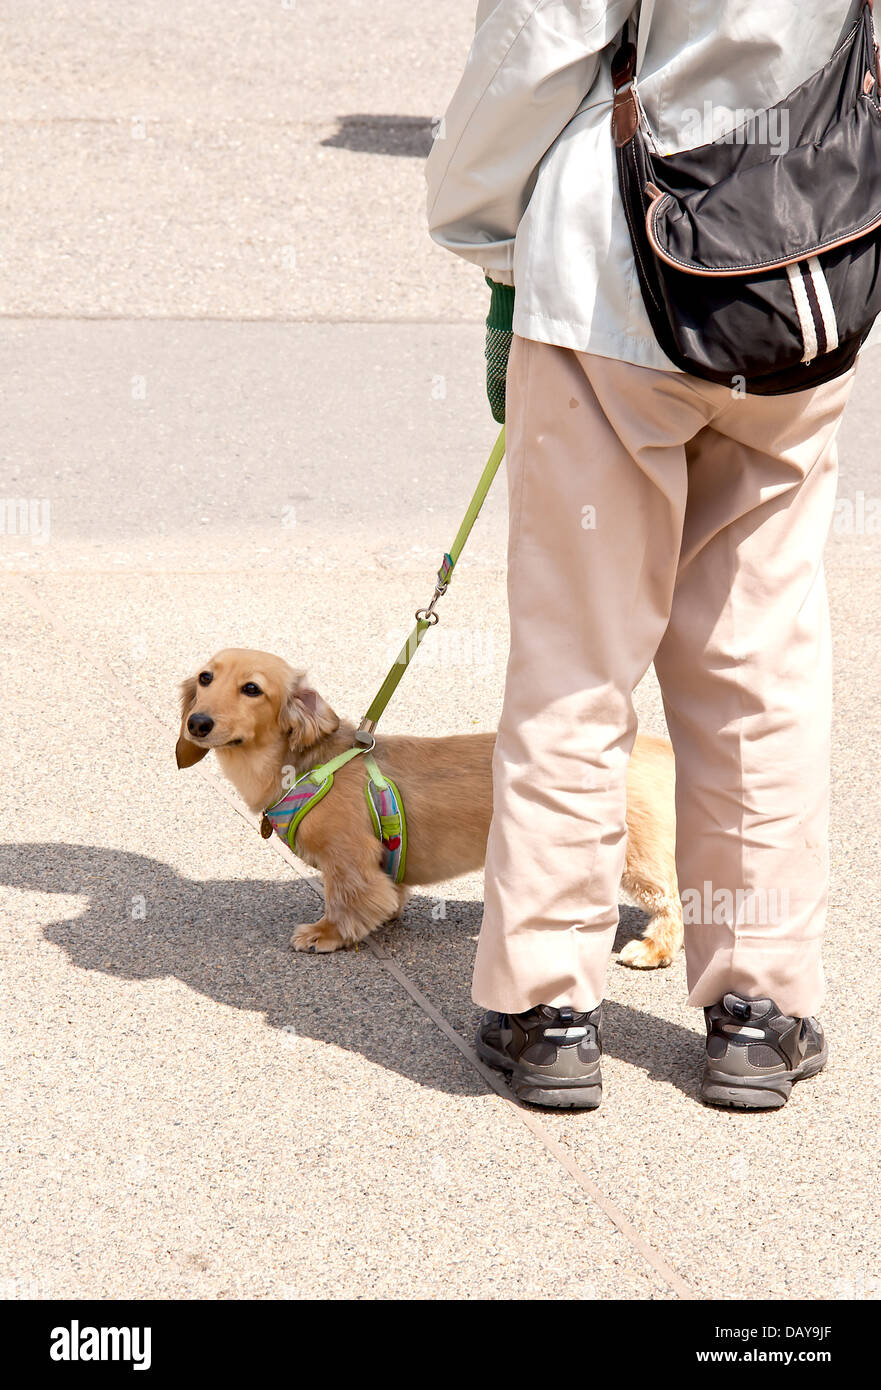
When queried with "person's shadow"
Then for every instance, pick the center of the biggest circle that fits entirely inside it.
(229, 940)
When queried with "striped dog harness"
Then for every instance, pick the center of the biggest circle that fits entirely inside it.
(383, 802)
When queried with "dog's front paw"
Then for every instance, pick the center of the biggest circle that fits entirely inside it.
(403, 898)
(645, 954)
(321, 935)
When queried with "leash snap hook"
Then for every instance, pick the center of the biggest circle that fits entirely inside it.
(428, 614)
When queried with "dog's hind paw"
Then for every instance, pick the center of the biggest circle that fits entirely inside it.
(320, 936)
(645, 954)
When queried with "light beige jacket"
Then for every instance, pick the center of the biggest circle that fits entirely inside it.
(522, 178)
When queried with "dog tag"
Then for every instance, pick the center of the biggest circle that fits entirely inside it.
(265, 826)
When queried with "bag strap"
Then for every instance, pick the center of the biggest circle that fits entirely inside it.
(625, 107)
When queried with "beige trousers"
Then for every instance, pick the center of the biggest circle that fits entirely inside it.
(658, 517)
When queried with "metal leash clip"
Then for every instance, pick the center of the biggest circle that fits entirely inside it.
(428, 615)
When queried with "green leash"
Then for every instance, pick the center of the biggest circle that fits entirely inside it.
(383, 798)
(427, 617)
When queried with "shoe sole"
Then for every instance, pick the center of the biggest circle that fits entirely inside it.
(537, 1089)
(757, 1093)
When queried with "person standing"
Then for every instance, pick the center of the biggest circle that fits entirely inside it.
(710, 510)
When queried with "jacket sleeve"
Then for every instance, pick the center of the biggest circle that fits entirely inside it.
(530, 67)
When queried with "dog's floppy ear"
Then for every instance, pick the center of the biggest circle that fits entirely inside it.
(305, 717)
(185, 752)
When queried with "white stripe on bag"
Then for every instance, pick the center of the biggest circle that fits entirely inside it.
(824, 299)
(804, 311)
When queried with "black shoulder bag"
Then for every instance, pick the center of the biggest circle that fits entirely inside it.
(759, 260)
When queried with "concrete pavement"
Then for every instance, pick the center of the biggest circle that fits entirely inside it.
(189, 1109)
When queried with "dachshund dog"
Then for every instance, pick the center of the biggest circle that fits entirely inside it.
(267, 727)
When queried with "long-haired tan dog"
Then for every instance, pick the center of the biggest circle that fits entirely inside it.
(267, 725)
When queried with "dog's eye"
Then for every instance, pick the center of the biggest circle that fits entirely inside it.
(249, 688)
(205, 677)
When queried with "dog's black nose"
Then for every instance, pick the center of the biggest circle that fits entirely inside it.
(200, 725)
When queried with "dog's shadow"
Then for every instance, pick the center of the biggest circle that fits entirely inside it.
(229, 940)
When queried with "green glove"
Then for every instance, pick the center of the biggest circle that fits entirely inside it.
(498, 345)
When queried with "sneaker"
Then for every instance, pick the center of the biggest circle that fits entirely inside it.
(553, 1055)
(755, 1053)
